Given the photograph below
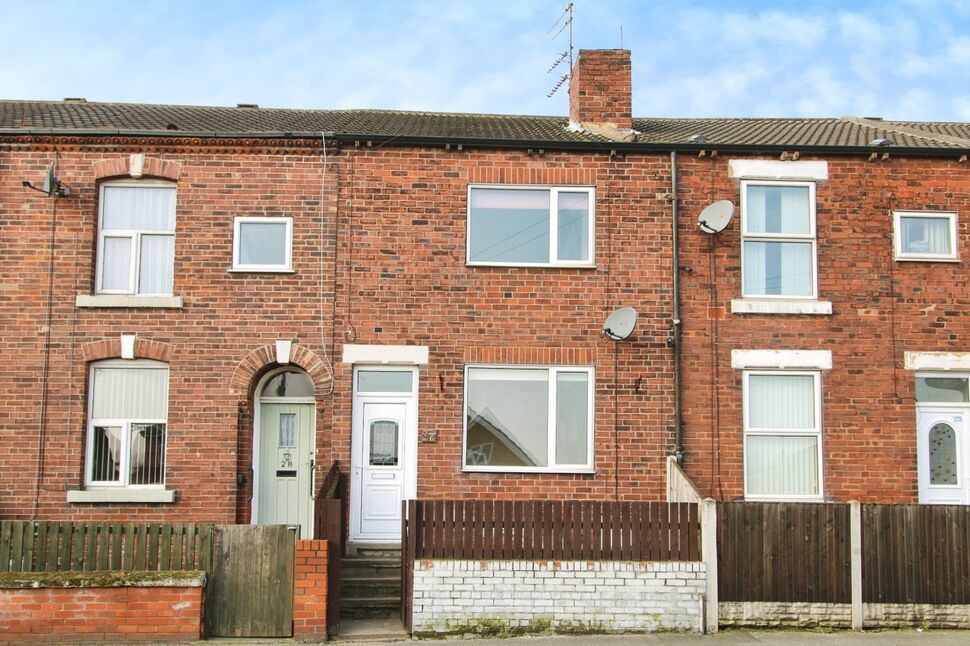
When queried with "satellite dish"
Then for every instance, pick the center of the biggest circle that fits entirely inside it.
(50, 181)
(715, 217)
(619, 325)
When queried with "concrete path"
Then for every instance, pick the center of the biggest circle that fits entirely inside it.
(733, 638)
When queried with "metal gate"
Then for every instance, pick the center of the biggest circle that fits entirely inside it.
(250, 588)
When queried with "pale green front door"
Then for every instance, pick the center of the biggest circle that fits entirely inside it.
(285, 463)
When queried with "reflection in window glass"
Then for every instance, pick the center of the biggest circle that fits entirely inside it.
(507, 417)
(941, 389)
(384, 381)
(943, 455)
(573, 238)
(572, 417)
(289, 383)
(778, 209)
(383, 443)
(509, 225)
(778, 268)
(147, 454)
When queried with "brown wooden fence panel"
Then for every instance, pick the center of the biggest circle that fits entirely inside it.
(552, 530)
(916, 554)
(783, 552)
(329, 515)
(38, 546)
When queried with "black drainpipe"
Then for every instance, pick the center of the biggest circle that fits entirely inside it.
(675, 323)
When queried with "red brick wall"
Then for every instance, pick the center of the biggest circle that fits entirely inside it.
(100, 614)
(310, 597)
(601, 88)
(881, 309)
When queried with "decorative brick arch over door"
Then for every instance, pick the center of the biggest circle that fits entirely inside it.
(262, 359)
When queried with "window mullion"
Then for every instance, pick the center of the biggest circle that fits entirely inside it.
(125, 449)
(554, 225)
(135, 262)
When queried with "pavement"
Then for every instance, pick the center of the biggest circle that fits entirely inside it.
(732, 637)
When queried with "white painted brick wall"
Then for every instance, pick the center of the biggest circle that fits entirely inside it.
(569, 596)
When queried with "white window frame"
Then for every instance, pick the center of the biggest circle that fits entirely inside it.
(553, 226)
(789, 432)
(812, 237)
(552, 371)
(125, 424)
(285, 268)
(930, 374)
(902, 256)
(134, 236)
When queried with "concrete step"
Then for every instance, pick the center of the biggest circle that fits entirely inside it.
(354, 567)
(375, 552)
(370, 607)
(370, 586)
(371, 630)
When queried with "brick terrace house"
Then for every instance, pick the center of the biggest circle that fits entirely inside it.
(230, 299)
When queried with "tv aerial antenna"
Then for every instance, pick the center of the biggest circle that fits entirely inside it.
(565, 24)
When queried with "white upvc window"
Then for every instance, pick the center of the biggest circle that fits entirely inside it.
(136, 238)
(262, 244)
(528, 418)
(525, 226)
(778, 245)
(925, 236)
(782, 435)
(127, 423)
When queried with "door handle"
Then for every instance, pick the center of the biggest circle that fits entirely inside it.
(313, 479)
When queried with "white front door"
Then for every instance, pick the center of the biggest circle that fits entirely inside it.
(285, 451)
(383, 452)
(942, 456)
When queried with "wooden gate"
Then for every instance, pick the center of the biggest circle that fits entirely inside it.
(250, 589)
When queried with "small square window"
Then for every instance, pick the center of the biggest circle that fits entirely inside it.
(530, 226)
(262, 244)
(925, 236)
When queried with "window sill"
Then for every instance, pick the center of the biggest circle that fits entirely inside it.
(128, 300)
(926, 259)
(818, 498)
(247, 270)
(752, 306)
(553, 471)
(121, 495)
(519, 265)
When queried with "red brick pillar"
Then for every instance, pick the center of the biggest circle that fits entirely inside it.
(310, 597)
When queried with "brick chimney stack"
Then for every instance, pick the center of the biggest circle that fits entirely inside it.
(601, 90)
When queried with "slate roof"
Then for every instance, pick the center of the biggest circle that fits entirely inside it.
(79, 117)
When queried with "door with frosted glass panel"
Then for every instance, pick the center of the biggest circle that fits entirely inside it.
(284, 496)
(380, 471)
(942, 456)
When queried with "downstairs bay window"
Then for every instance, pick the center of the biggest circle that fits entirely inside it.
(127, 423)
(524, 418)
(782, 435)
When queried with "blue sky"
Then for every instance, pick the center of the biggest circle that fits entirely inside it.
(903, 59)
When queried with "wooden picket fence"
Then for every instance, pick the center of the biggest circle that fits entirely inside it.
(544, 530)
(329, 514)
(46, 546)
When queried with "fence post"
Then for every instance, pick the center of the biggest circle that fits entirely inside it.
(855, 537)
(708, 510)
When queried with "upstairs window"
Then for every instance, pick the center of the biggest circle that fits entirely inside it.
(925, 236)
(530, 226)
(136, 238)
(127, 422)
(262, 244)
(778, 248)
